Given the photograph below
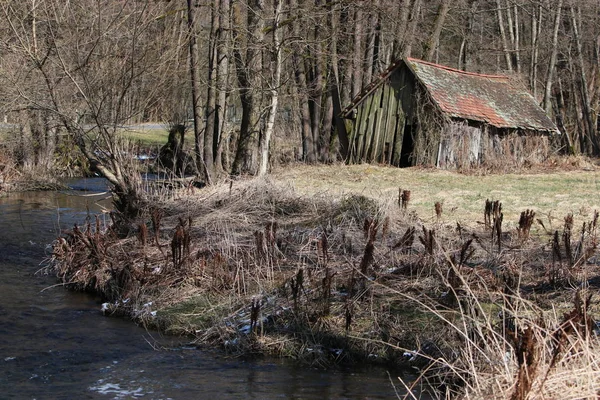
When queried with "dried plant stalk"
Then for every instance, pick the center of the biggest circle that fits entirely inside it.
(438, 210)
(142, 234)
(525, 222)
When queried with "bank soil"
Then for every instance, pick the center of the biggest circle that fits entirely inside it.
(483, 308)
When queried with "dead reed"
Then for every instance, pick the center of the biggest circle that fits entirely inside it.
(482, 311)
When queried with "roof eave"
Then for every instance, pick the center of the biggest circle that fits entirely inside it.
(549, 130)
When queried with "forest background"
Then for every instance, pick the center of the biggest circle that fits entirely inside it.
(263, 81)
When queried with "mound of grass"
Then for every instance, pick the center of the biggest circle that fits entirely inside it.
(327, 273)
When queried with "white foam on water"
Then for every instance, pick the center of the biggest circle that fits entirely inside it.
(115, 389)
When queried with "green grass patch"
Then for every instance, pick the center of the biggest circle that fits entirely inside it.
(147, 135)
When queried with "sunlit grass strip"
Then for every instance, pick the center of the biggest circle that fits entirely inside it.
(550, 194)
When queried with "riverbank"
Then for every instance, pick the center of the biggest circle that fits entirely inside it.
(57, 343)
(357, 264)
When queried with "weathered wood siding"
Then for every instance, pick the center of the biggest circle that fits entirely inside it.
(464, 146)
(377, 131)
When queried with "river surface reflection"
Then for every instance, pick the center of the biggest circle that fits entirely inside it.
(56, 344)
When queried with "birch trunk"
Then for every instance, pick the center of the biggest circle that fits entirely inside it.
(552, 63)
(503, 36)
(536, 26)
(274, 91)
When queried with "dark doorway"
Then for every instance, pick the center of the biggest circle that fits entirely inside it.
(408, 145)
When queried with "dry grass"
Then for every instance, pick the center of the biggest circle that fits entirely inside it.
(570, 185)
(325, 265)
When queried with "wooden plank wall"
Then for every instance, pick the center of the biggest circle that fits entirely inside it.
(377, 131)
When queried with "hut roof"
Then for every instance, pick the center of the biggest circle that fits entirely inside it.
(493, 99)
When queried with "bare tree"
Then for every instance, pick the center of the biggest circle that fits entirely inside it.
(553, 56)
(432, 43)
(199, 134)
(248, 37)
(505, 48)
(265, 139)
(221, 139)
(589, 128)
(82, 76)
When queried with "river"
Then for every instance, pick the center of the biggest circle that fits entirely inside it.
(56, 344)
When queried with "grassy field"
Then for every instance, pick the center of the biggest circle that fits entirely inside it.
(150, 135)
(552, 195)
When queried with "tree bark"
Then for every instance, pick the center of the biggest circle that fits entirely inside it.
(516, 38)
(210, 116)
(588, 122)
(316, 63)
(503, 36)
(357, 70)
(274, 90)
(336, 98)
(308, 143)
(552, 63)
(370, 52)
(409, 37)
(195, 83)
(222, 81)
(463, 56)
(249, 70)
(434, 38)
(400, 29)
(536, 26)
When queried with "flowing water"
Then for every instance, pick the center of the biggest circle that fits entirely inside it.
(56, 344)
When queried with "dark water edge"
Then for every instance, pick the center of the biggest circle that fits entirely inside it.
(56, 344)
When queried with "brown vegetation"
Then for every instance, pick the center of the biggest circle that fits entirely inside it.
(342, 279)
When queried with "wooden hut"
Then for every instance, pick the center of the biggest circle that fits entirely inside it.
(420, 113)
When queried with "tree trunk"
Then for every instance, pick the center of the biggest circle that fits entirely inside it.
(400, 29)
(503, 36)
(434, 38)
(195, 81)
(249, 70)
(274, 91)
(316, 91)
(299, 53)
(588, 122)
(370, 52)
(25, 156)
(223, 49)
(308, 144)
(409, 37)
(463, 56)
(357, 70)
(211, 94)
(327, 126)
(340, 125)
(552, 63)
(516, 37)
(536, 27)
